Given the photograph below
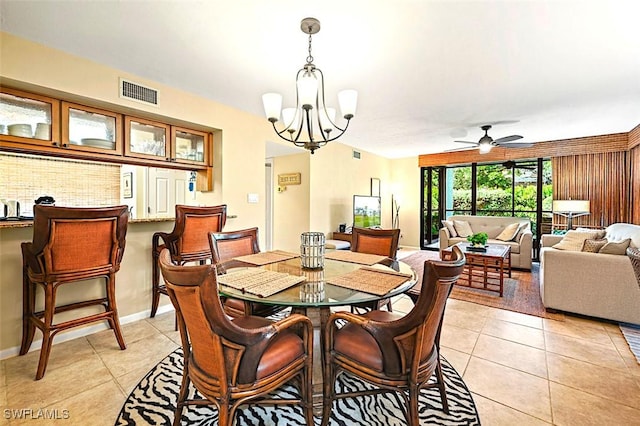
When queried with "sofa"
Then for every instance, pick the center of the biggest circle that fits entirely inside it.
(521, 245)
(591, 283)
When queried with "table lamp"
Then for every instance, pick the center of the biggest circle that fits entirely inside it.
(571, 209)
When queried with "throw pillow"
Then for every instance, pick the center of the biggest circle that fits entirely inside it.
(598, 233)
(523, 227)
(616, 247)
(450, 227)
(574, 240)
(509, 232)
(462, 228)
(593, 245)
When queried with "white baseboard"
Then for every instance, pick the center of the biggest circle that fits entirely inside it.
(85, 331)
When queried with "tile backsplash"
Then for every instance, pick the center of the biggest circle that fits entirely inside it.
(71, 183)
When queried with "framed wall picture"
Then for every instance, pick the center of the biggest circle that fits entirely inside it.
(375, 187)
(127, 185)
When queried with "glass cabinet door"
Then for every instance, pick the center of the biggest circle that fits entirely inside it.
(145, 138)
(91, 129)
(30, 118)
(190, 146)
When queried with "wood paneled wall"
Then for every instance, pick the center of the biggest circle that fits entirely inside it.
(634, 137)
(599, 178)
(634, 183)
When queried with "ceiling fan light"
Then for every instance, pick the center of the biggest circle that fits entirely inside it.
(485, 148)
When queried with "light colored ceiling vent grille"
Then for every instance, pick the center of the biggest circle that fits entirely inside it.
(137, 92)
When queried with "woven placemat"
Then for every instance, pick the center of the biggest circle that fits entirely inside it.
(266, 257)
(370, 280)
(258, 281)
(354, 257)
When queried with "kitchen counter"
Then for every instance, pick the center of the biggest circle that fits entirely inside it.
(4, 224)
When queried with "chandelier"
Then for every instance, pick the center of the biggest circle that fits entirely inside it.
(311, 124)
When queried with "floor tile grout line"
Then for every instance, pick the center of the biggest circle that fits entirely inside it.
(511, 408)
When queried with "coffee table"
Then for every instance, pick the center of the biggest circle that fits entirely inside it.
(484, 270)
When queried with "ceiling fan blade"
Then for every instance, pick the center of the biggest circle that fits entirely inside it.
(507, 139)
(516, 145)
(473, 143)
(460, 149)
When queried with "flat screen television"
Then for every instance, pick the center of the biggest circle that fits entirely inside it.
(366, 211)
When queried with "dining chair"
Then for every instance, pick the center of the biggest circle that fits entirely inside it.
(394, 353)
(634, 255)
(383, 242)
(70, 245)
(187, 242)
(234, 361)
(224, 247)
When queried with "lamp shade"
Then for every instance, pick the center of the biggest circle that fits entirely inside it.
(348, 101)
(571, 206)
(272, 103)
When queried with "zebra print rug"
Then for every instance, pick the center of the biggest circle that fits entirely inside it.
(153, 401)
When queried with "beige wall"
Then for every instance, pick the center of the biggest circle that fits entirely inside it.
(329, 178)
(406, 181)
(291, 207)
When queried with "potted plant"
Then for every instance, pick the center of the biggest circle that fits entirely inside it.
(479, 239)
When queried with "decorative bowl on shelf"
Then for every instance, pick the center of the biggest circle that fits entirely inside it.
(22, 130)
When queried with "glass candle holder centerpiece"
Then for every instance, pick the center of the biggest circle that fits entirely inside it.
(312, 250)
(312, 290)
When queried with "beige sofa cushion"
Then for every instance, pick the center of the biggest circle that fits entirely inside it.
(574, 240)
(619, 248)
(462, 228)
(450, 227)
(509, 233)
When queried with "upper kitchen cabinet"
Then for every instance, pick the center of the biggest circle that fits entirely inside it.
(27, 119)
(190, 146)
(147, 139)
(90, 129)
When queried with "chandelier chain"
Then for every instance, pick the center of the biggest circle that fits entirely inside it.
(310, 57)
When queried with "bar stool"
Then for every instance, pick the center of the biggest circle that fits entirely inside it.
(188, 242)
(70, 245)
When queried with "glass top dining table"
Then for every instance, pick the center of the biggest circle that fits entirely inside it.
(314, 297)
(315, 291)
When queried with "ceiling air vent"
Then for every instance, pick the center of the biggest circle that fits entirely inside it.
(356, 154)
(138, 93)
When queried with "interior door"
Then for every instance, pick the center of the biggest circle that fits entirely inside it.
(167, 187)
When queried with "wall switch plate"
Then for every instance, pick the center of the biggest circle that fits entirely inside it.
(252, 198)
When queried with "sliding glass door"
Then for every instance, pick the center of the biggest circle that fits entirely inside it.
(513, 188)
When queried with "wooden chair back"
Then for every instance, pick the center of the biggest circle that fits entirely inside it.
(77, 242)
(227, 245)
(383, 242)
(188, 241)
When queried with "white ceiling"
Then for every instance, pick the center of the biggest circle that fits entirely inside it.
(427, 72)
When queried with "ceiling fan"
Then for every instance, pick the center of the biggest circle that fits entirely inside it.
(486, 142)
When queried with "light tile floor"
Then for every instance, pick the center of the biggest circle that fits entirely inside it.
(521, 369)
